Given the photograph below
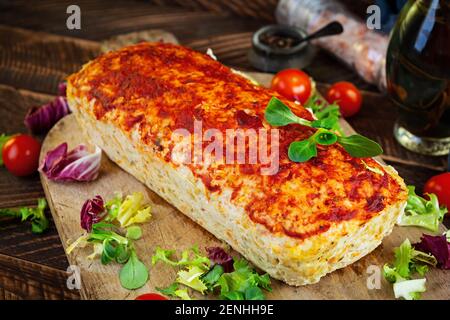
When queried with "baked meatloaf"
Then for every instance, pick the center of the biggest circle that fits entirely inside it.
(298, 224)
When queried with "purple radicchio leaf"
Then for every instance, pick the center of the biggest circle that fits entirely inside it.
(438, 247)
(62, 88)
(219, 256)
(41, 119)
(93, 211)
(75, 165)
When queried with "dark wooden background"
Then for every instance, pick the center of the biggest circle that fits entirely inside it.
(37, 51)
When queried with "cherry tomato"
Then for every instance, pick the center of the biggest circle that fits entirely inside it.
(347, 96)
(151, 296)
(21, 155)
(292, 84)
(440, 186)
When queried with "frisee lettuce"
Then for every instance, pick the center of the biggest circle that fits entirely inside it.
(189, 257)
(407, 262)
(241, 283)
(192, 278)
(170, 290)
(409, 289)
(421, 212)
(201, 274)
(39, 222)
(132, 210)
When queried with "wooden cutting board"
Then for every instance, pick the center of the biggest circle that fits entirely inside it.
(170, 229)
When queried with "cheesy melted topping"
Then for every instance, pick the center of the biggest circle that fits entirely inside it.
(156, 88)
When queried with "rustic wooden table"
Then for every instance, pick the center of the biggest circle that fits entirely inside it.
(37, 51)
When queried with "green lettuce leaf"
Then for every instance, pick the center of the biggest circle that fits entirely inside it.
(39, 222)
(407, 262)
(210, 279)
(242, 280)
(163, 256)
(192, 278)
(189, 257)
(183, 294)
(409, 289)
(170, 290)
(421, 212)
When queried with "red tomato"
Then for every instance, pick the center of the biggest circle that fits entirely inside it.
(440, 186)
(21, 155)
(347, 96)
(151, 296)
(293, 84)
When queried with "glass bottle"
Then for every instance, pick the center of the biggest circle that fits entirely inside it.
(418, 76)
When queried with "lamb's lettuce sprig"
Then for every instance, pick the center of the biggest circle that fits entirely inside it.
(278, 114)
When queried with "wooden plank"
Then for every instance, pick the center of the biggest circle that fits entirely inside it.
(16, 238)
(39, 61)
(194, 28)
(26, 280)
(101, 20)
(14, 104)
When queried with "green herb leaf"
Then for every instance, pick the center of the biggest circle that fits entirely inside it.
(164, 256)
(254, 293)
(112, 207)
(408, 261)
(183, 294)
(391, 275)
(234, 285)
(122, 253)
(134, 233)
(134, 274)
(421, 212)
(3, 139)
(210, 279)
(109, 251)
(360, 147)
(170, 290)
(102, 231)
(189, 257)
(278, 114)
(302, 151)
(324, 137)
(327, 115)
(372, 169)
(39, 222)
(403, 257)
(233, 295)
